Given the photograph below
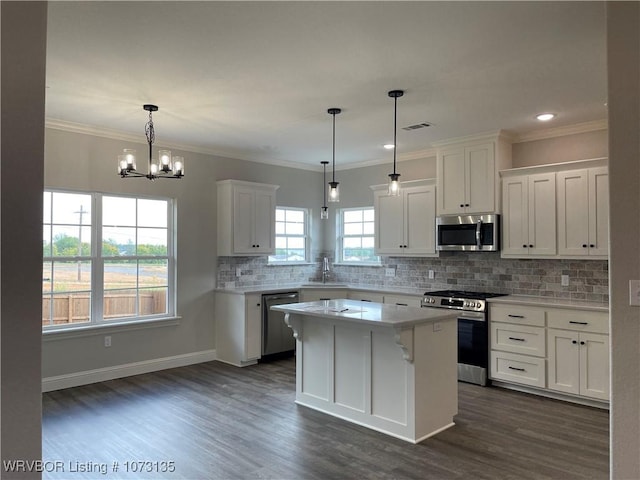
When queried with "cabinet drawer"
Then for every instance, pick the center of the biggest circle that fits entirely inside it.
(525, 315)
(365, 296)
(516, 368)
(521, 339)
(405, 300)
(578, 320)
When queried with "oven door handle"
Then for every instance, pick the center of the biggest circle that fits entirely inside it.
(479, 234)
(479, 318)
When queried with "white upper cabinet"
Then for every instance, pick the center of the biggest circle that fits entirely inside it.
(405, 224)
(246, 218)
(467, 175)
(583, 212)
(529, 215)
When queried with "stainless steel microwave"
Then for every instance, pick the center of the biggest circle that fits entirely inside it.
(475, 233)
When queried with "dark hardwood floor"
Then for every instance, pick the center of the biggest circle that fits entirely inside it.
(215, 421)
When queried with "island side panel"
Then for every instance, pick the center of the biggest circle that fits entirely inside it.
(391, 379)
(352, 352)
(315, 356)
(435, 361)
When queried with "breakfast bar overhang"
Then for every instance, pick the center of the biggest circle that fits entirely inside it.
(387, 367)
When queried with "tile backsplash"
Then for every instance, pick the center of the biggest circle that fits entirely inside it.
(473, 271)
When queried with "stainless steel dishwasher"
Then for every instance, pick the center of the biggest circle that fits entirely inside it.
(277, 337)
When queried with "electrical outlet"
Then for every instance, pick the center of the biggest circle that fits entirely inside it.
(432, 274)
(238, 272)
(390, 272)
(107, 341)
(634, 292)
(437, 326)
(564, 280)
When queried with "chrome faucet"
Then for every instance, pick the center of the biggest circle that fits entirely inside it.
(325, 269)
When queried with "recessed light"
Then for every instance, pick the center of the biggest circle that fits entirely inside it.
(388, 146)
(545, 117)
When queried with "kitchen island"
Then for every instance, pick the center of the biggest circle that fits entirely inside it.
(387, 367)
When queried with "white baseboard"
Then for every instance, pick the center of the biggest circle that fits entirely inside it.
(119, 371)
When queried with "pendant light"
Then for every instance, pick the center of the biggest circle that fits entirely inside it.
(334, 192)
(394, 183)
(324, 211)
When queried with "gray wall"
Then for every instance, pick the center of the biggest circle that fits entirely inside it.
(580, 146)
(623, 53)
(23, 45)
(84, 162)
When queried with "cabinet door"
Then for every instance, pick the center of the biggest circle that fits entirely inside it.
(594, 365)
(515, 216)
(253, 327)
(542, 214)
(264, 222)
(243, 222)
(451, 184)
(402, 300)
(564, 361)
(479, 178)
(573, 213)
(420, 220)
(599, 211)
(389, 223)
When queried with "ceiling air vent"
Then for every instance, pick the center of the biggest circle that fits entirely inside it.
(417, 126)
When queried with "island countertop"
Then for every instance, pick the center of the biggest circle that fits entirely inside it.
(367, 312)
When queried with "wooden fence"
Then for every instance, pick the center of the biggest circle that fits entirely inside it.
(74, 308)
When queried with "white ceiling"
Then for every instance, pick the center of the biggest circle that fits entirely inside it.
(253, 80)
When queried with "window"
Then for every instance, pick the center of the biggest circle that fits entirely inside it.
(291, 236)
(356, 239)
(105, 258)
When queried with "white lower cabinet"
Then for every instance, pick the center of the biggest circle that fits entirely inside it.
(238, 328)
(518, 347)
(579, 356)
(556, 349)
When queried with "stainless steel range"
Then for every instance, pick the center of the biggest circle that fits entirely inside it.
(473, 330)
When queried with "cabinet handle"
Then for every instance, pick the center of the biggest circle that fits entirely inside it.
(584, 245)
(404, 246)
(574, 341)
(402, 304)
(517, 339)
(462, 205)
(257, 246)
(581, 343)
(530, 246)
(591, 245)
(325, 299)
(257, 304)
(578, 323)
(518, 369)
(524, 246)
(515, 316)
(364, 300)
(466, 204)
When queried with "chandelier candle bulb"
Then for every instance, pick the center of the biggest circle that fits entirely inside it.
(165, 160)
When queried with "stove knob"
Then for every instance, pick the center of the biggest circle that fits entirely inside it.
(432, 300)
(466, 304)
(472, 304)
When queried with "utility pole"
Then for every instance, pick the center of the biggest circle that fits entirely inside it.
(81, 212)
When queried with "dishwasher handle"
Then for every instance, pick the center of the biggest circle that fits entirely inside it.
(285, 296)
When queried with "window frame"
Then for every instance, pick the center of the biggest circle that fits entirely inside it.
(304, 236)
(339, 254)
(97, 260)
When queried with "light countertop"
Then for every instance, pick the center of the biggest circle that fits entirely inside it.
(550, 302)
(319, 285)
(371, 313)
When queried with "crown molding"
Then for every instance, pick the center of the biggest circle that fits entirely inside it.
(478, 137)
(416, 155)
(577, 128)
(56, 124)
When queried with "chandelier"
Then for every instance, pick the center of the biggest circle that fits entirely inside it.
(166, 166)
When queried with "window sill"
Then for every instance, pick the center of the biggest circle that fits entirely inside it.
(357, 264)
(285, 264)
(102, 328)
